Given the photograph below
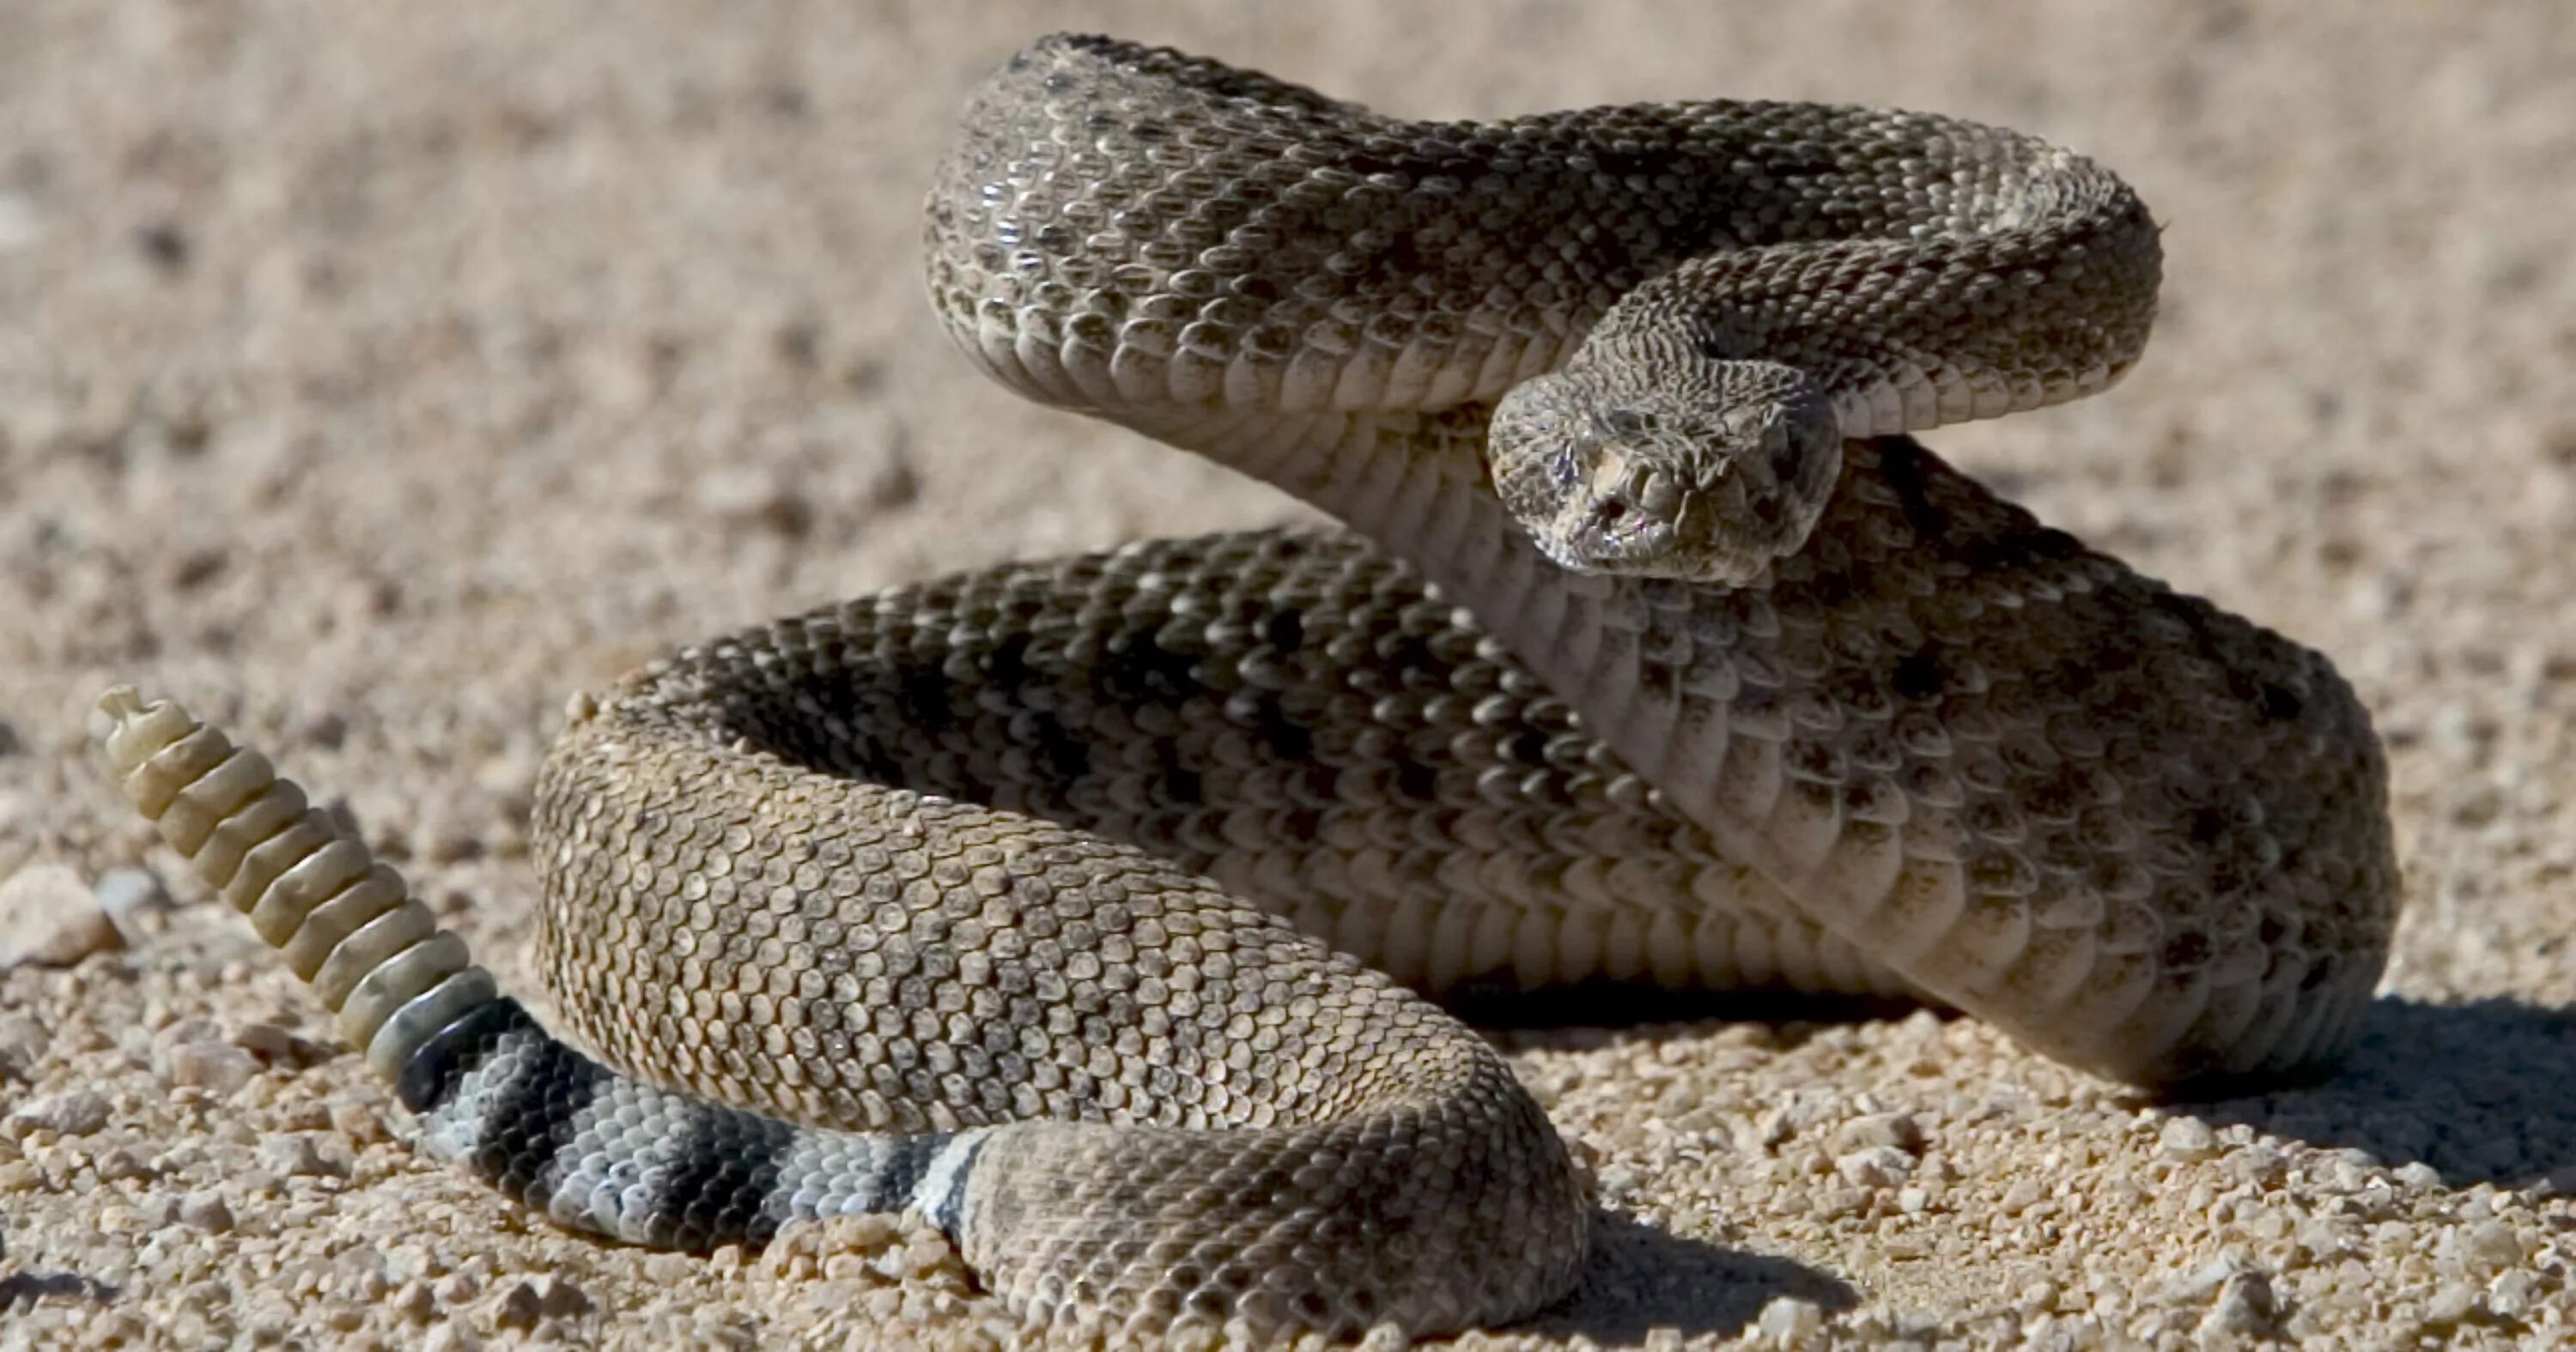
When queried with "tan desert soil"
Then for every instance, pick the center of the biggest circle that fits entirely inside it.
(373, 375)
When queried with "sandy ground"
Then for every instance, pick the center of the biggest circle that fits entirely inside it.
(372, 375)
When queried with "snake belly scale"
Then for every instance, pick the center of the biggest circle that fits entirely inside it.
(1090, 907)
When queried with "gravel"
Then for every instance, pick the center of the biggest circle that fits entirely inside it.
(378, 374)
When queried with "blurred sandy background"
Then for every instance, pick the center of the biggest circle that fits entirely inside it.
(373, 375)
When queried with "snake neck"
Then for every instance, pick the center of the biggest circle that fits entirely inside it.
(1614, 648)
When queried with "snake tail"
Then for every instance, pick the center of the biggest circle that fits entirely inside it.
(588, 1146)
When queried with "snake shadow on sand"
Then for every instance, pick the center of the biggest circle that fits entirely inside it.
(1641, 1279)
(2452, 1086)
(2476, 1090)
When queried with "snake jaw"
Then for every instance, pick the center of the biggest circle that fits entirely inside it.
(1621, 513)
(1705, 476)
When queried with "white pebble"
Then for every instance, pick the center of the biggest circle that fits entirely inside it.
(213, 1066)
(48, 918)
(296, 1156)
(76, 1112)
(1385, 1338)
(131, 899)
(2452, 1304)
(1790, 1321)
(2513, 1293)
(2187, 1138)
(2491, 1245)
(1878, 1166)
(451, 1336)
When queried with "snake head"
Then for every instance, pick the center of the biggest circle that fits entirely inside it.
(1646, 458)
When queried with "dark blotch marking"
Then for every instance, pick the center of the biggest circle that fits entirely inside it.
(1416, 780)
(1826, 590)
(1919, 676)
(911, 1163)
(1907, 468)
(429, 1079)
(1180, 784)
(924, 695)
(1135, 669)
(1285, 630)
(1410, 659)
(874, 759)
(1287, 738)
(2186, 950)
(2205, 826)
(1062, 756)
(535, 1117)
(726, 1168)
(1007, 665)
(1901, 463)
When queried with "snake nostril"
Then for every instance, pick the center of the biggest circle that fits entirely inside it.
(1610, 510)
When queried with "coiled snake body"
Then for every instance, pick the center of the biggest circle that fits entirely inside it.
(1038, 899)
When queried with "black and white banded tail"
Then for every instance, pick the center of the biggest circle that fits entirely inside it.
(591, 1147)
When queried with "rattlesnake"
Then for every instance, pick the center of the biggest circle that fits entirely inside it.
(934, 899)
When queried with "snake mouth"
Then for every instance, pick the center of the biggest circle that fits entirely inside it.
(1644, 530)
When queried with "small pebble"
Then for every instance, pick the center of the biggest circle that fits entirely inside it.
(274, 1044)
(2452, 1304)
(1878, 1166)
(118, 1164)
(2187, 1138)
(2196, 1285)
(559, 1298)
(74, 1112)
(451, 1336)
(413, 1301)
(1385, 1338)
(1790, 1321)
(2246, 1306)
(2513, 1293)
(206, 1210)
(216, 1067)
(297, 1156)
(518, 1306)
(1893, 1131)
(22, 1044)
(2490, 1246)
(49, 919)
(133, 900)
(359, 1123)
